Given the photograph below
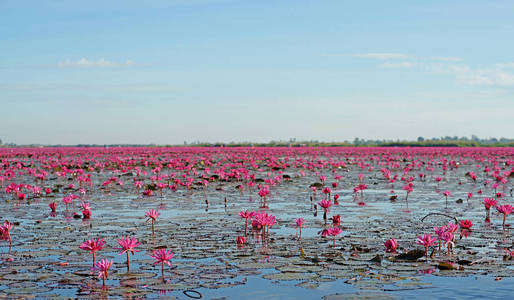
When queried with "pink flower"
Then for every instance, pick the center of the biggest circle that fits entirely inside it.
(452, 227)
(5, 231)
(334, 231)
(407, 188)
(325, 204)
(326, 190)
(336, 220)
(466, 224)
(86, 214)
(391, 245)
(241, 240)
(488, 202)
(162, 256)
(152, 214)
(426, 240)
(128, 245)
(92, 246)
(246, 214)
(505, 209)
(85, 205)
(103, 269)
(53, 206)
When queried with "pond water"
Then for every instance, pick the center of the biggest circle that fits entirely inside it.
(200, 225)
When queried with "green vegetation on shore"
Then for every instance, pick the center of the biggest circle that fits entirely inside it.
(447, 141)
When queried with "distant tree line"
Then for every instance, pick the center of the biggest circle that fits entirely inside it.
(446, 141)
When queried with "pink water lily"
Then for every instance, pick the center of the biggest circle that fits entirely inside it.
(92, 246)
(103, 269)
(391, 245)
(426, 240)
(162, 256)
(128, 245)
(505, 210)
(299, 224)
(247, 216)
(152, 215)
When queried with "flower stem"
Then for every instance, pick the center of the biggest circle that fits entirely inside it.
(128, 262)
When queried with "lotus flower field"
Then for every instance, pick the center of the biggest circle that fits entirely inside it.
(211, 222)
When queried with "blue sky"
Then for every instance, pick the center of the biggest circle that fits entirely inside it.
(220, 70)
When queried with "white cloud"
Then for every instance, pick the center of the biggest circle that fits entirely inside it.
(483, 77)
(449, 58)
(506, 65)
(499, 75)
(101, 63)
(382, 55)
(399, 65)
